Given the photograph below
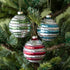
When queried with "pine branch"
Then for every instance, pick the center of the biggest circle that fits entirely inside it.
(7, 47)
(11, 8)
(55, 47)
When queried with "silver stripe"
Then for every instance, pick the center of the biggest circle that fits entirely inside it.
(19, 36)
(50, 22)
(35, 50)
(19, 24)
(47, 35)
(34, 43)
(13, 19)
(34, 56)
(47, 28)
(16, 19)
(14, 22)
(19, 30)
(21, 17)
(20, 33)
(37, 61)
(47, 39)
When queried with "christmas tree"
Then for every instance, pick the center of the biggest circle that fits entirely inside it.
(57, 55)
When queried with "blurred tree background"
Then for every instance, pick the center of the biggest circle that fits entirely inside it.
(11, 56)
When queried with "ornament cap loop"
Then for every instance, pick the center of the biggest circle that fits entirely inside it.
(34, 37)
(20, 12)
(48, 16)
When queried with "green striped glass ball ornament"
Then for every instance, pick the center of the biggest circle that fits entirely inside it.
(18, 27)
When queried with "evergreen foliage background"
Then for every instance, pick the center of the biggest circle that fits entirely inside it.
(11, 56)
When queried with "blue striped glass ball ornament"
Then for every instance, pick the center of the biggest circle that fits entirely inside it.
(48, 29)
(18, 27)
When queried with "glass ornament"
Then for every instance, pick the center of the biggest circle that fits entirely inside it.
(18, 27)
(34, 51)
(48, 29)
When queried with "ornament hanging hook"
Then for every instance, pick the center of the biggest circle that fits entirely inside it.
(19, 2)
(49, 4)
(20, 7)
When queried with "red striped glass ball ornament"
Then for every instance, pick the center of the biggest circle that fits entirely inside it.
(34, 51)
(18, 27)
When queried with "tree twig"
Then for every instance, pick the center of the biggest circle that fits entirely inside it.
(47, 49)
(60, 11)
(7, 47)
(55, 47)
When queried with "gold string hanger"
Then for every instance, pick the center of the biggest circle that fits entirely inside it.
(20, 7)
(49, 4)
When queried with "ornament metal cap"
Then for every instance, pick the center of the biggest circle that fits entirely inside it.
(34, 37)
(20, 12)
(48, 16)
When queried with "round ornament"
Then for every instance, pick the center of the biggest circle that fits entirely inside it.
(48, 29)
(18, 27)
(34, 51)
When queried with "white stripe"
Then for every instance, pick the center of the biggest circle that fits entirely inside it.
(13, 22)
(19, 33)
(19, 17)
(47, 39)
(34, 56)
(15, 25)
(34, 43)
(50, 22)
(19, 30)
(35, 50)
(37, 61)
(47, 28)
(14, 19)
(19, 36)
(46, 34)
